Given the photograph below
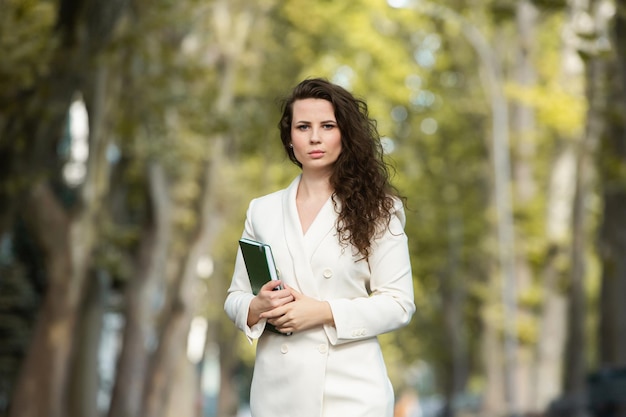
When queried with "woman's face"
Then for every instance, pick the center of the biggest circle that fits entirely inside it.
(315, 135)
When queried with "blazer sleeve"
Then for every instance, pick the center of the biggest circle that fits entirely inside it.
(239, 293)
(391, 301)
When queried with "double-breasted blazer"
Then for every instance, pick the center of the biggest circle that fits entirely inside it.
(329, 371)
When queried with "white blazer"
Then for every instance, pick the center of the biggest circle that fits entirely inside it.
(326, 371)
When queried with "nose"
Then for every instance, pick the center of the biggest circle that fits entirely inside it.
(315, 136)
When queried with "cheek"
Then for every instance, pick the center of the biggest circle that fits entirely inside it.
(338, 144)
(296, 141)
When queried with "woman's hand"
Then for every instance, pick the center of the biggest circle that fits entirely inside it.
(301, 314)
(267, 299)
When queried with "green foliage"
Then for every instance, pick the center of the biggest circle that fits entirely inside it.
(503, 10)
(551, 5)
(527, 330)
(18, 301)
(531, 298)
(116, 249)
(556, 108)
(26, 27)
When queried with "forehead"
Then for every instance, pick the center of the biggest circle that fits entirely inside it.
(313, 108)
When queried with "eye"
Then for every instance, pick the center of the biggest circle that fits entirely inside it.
(329, 126)
(302, 127)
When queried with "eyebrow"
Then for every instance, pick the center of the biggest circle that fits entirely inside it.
(322, 122)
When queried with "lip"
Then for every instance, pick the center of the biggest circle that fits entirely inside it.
(316, 154)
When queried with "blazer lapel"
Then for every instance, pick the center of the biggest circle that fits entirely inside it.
(301, 247)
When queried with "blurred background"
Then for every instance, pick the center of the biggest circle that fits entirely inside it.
(134, 133)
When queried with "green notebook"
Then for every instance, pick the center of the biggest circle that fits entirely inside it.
(259, 263)
(261, 268)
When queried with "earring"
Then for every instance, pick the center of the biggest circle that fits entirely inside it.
(291, 145)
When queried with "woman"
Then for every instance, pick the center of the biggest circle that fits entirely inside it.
(337, 235)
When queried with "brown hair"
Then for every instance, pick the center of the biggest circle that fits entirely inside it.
(360, 178)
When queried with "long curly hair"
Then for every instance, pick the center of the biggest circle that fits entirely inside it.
(362, 193)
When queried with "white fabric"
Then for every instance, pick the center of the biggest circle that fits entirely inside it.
(328, 371)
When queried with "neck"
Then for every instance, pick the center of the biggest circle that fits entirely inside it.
(314, 187)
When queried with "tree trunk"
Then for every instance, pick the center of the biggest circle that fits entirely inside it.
(171, 347)
(523, 132)
(65, 238)
(612, 163)
(182, 308)
(139, 318)
(184, 399)
(547, 374)
(228, 398)
(493, 404)
(606, 392)
(44, 373)
(233, 39)
(523, 115)
(67, 243)
(575, 364)
(84, 382)
(564, 219)
(453, 293)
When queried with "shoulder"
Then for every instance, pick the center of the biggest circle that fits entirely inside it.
(268, 200)
(395, 223)
(398, 211)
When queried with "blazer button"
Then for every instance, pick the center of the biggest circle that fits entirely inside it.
(284, 348)
(322, 348)
(327, 273)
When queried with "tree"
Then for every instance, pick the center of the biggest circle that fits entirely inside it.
(611, 163)
(31, 131)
